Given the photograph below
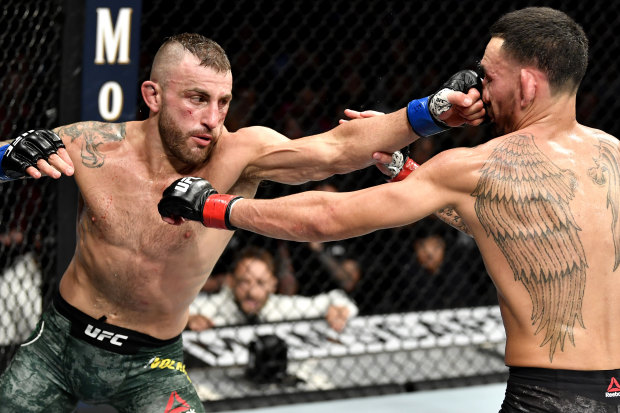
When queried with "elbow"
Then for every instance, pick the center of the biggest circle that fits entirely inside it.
(323, 226)
(316, 232)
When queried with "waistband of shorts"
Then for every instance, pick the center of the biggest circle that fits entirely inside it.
(106, 336)
(566, 379)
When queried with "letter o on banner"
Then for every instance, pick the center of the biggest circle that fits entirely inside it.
(110, 101)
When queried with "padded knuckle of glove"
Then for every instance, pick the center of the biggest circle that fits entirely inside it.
(185, 197)
(464, 80)
(27, 149)
(461, 81)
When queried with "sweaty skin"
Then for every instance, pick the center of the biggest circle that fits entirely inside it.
(129, 265)
(542, 203)
(556, 280)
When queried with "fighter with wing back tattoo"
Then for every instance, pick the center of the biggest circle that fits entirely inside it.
(522, 202)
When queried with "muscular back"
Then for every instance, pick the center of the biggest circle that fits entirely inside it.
(544, 212)
(130, 266)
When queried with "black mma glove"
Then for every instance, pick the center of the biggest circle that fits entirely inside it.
(25, 151)
(423, 114)
(195, 199)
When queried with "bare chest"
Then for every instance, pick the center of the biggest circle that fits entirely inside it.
(120, 209)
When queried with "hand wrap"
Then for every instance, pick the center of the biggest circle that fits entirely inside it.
(401, 166)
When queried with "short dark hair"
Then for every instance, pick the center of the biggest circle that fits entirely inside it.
(256, 253)
(547, 39)
(208, 51)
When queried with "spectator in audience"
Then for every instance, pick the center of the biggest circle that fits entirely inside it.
(428, 273)
(249, 297)
(287, 283)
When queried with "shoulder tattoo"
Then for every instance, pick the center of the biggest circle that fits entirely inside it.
(90, 136)
(606, 172)
(522, 202)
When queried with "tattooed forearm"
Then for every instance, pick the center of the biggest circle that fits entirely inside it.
(90, 136)
(450, 217)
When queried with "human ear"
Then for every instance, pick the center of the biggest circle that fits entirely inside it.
(152, 95)
(528, 87)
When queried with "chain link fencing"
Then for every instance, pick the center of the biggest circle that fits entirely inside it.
(427, 309)
(30, 39)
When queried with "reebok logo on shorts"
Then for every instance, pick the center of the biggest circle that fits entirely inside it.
(181, 405)
(613, 390)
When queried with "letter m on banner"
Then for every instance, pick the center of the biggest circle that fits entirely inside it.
(113, 39)
(110, 62)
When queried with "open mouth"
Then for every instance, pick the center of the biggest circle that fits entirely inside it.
(202, 140)
(251, 304)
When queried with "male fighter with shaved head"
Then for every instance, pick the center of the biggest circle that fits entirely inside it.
(113, 333)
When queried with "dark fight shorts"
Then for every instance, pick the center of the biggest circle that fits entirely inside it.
(535, 390)
(72, 357)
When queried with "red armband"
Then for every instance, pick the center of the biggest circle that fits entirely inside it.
(216, 212)
(408, 167)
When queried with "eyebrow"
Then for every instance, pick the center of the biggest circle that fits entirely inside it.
(205, 93)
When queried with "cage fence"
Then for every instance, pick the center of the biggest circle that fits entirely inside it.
(427, 310)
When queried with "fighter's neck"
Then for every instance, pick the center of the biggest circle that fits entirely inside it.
(556, 113)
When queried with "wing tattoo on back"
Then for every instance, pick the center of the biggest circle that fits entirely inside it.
(522, 201)
(607, 171)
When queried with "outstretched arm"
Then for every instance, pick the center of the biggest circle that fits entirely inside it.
(399, 170)
(350, 145)
(345, 148)
(323, 216)
(403, 169)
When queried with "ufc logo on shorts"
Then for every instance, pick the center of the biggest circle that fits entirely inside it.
(184, 183)
(101, 335)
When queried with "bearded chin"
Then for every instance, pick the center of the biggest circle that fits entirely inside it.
(175, 141)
